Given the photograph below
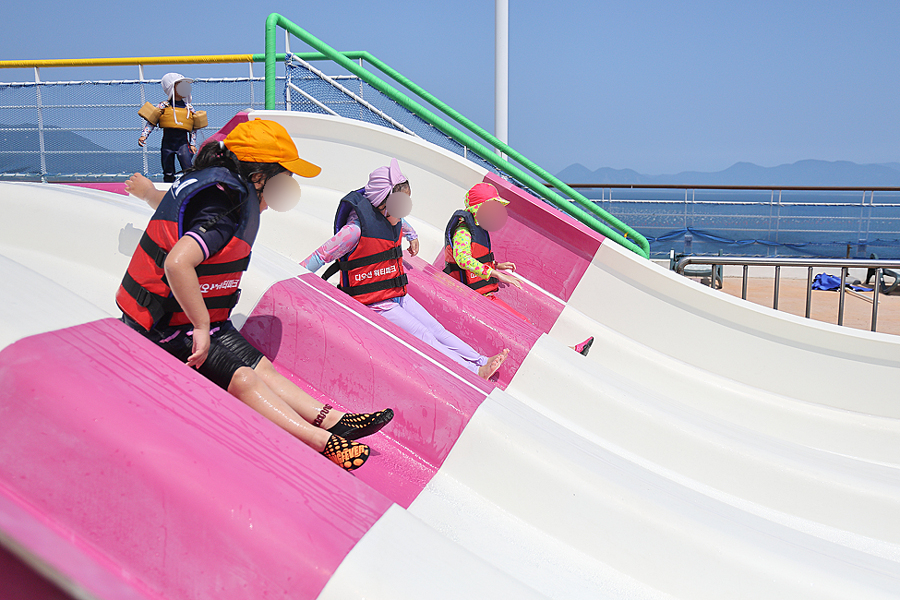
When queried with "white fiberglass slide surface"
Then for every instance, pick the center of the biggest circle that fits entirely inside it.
(706, 448)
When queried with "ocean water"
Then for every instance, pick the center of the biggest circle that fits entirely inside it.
(767, 223)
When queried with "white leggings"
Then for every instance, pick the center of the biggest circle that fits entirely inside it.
(407, 314)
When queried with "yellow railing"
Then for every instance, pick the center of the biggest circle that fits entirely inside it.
(134, 60)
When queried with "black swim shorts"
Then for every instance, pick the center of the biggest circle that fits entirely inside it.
(228, 350)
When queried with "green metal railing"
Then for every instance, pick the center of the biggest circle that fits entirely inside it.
(579, 207)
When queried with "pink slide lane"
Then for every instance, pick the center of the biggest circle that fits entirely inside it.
(483, 324)
(116, 187)
(550, 249)
(331, 344)
(161, 480)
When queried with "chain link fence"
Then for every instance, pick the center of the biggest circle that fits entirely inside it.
(768, 223)
(310, 90)
(88, 130)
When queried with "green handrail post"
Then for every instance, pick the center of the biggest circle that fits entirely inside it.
(582, 209)
(505, 148)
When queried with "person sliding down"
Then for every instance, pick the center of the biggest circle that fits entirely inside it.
(369, 227)
(467, 248)
(182, 281)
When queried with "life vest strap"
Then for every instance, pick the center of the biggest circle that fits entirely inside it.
(159, 306)
(152, 302)
(377, 286)
(483, 283)
(392, 253)
(331, 270)
(154, 251)
(158, 255)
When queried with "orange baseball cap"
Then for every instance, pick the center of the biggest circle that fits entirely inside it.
(260, 141)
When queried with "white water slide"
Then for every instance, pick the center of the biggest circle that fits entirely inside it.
(705, 448)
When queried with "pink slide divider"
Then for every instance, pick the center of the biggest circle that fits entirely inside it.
(313, 334)
(117, 187)
(549, 248)
(241, 117)
(481, 323)
(160, 479)
(36, 537)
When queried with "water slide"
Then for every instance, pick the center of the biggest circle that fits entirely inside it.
(705, 448)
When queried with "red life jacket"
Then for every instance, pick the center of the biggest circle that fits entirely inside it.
(145, 295)
(373, 271)
(481, 251)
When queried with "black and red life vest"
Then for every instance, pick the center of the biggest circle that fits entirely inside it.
(145, 295)
(373, 271)
(481, 251)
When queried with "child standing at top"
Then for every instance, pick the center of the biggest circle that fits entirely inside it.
(179, 123)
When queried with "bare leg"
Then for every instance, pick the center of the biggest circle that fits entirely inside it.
(302, 403)
(253, 391)
(493, 364)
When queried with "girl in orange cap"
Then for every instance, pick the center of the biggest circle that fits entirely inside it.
(183, 279)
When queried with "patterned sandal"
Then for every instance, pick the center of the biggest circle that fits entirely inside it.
(344, 453)
(353, 426)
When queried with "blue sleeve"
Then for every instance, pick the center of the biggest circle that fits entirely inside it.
(200, 214)
(313, 262)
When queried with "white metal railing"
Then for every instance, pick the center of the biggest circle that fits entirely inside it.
(810, 263)
(293, 59)
(77, 130)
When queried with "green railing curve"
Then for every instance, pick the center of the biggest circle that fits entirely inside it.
(579, 207)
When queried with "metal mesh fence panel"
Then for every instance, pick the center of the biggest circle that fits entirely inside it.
(348, 96)
(789, 223)
(88, 130)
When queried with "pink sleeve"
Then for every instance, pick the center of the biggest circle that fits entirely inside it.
(408, 232)
(343, 242)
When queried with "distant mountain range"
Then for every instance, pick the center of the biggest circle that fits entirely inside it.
(801, 173)
(76, 154)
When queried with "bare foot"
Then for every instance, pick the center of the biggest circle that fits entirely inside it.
(493, 364)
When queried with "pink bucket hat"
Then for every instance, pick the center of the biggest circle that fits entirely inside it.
(382, 180)
(481, 193)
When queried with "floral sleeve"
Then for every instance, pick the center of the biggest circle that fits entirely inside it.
(149, 127)
(343, 242)
(462, 254)
(408, 232)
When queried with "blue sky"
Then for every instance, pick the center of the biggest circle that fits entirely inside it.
(655, 86)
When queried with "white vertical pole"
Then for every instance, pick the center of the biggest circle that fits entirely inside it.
(251, 84)
(40, 115)
(143, 99)
(287, 90)
(501, 71)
